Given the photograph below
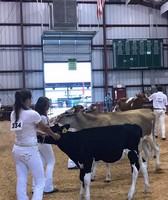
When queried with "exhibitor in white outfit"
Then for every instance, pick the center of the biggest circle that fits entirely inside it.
(160, 105)
(25, 150)
(42, 106)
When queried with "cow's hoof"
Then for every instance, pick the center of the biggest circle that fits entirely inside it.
(107, 181)
(159, 171)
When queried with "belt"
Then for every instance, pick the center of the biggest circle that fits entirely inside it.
(25, 145)
(159, 109)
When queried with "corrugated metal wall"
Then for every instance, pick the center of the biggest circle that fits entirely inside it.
(123, 22)
(131, 21)
(35, 20)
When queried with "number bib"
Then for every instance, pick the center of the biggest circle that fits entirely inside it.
(16, 126)
(159, 99)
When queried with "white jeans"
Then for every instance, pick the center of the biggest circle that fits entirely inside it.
(48, 159)
(160, 117)
(28, 159)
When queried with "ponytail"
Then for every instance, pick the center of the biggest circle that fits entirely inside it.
(20, 97)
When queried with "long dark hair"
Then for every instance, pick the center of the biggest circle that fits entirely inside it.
(20, 97)
(42, 105)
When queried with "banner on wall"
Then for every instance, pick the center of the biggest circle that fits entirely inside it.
(72, 63)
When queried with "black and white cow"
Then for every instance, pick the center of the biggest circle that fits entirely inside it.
(102, 143)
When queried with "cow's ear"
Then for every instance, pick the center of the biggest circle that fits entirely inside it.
(67, 126)
(64, 130)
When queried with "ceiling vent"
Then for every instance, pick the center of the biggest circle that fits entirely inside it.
(64, 15)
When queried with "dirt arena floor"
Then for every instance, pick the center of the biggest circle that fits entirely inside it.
(67, 181)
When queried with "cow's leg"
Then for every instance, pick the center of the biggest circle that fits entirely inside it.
(94, 167)
(133, 157)
(87, 180)
(85, 187)
(85, 177)
(144, 170)
(108, 173)
(155, 147)
(147, 150)
(143, 166)
(81, 193)
(82, 186)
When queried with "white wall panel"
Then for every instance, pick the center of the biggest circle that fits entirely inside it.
(33, 59)
(9, 12)
(10, 80)
(34, 80)
(87, 14)
(132, 91)
(36, 94)
(97, 78)
(10, 59)
(124, 78)
(98, 95)
(36, 12)
(7, 97)
(32, 35)
(97, 59)
(10, 35)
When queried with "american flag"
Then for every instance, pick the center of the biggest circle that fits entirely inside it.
(100, 5)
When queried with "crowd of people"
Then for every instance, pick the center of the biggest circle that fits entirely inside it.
(27, 123)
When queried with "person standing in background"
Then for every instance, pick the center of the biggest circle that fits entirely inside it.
(25, 150)
(160, 106)
(42, 107)
(108, 102)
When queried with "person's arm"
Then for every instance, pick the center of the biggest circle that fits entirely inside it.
(39, 132)
(46, 129)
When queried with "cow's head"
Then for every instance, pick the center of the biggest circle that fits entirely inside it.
(74, 109)
(142, 96)
(91, 108)
(60, 129)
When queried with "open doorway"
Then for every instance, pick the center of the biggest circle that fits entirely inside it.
(66, 87)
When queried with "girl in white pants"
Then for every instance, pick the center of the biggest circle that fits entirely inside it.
(46, 151)
(25, 150)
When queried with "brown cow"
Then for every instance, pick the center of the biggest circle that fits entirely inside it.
(143, 117)
(131, 103)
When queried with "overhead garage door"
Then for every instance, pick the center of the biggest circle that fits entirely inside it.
(60, 46)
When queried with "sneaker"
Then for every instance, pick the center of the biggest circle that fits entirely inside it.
(53, 191)
(156, 136)
(163, 139)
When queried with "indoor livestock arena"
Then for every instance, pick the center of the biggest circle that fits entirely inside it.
(67, 181)
(109, 58)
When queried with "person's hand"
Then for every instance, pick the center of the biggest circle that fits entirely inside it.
(56, 136)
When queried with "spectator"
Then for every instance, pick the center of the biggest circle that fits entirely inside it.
(42, 107)
(108, 102)
(160, 105)
(25, 150)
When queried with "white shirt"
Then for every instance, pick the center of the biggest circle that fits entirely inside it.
(159, 100)
(26, 130)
